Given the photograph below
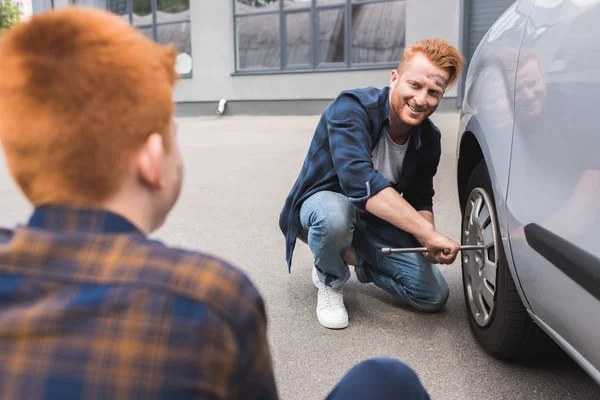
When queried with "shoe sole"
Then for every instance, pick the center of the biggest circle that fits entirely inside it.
(328, 325)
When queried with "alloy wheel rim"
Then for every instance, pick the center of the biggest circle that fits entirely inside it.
(480, 267)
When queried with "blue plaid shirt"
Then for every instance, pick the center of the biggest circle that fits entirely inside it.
(92, 309)
(340, 160)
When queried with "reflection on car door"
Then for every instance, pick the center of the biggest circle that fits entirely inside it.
(554, 186)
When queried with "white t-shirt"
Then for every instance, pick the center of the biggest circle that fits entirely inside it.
(388, 158)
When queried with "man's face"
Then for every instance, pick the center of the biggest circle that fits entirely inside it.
(530, 95)
(417, 89)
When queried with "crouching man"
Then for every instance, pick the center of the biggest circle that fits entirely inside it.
(367, 183)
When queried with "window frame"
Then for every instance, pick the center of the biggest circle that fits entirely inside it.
(314, 65)
(154, 25)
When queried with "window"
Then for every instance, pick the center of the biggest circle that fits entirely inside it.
(292, 35)
(164, 21)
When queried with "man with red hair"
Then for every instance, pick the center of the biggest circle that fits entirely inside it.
(90, 307)
(367, 183)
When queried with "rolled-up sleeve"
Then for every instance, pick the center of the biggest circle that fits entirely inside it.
(350, 142)
(419, 192)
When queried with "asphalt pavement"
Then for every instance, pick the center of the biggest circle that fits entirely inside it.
(238, 172)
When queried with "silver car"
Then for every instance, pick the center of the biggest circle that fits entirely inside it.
(528, 177)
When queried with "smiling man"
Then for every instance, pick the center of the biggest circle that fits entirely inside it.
(367, 183)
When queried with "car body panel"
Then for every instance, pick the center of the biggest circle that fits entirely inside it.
(581, 360)
(555, 170)
(489, 88)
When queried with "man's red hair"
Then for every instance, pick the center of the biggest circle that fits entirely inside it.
(440, 53)
(80, 92)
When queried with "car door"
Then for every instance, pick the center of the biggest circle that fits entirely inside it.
(553, 201)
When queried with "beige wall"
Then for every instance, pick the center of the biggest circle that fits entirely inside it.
(214, 63)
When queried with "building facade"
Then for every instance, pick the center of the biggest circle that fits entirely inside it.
(293, 56)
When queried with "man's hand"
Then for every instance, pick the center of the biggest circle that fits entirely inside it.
(439, 258)
(436, 243)
(393, 208)
(431, 259)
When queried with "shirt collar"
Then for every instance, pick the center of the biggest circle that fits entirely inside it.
(80, 220)
(416, 132)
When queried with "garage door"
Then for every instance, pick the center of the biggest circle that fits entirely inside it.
(480, 16)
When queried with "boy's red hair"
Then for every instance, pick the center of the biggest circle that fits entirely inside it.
(440, 53)
(80, 91)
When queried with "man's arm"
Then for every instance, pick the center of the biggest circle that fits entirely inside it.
(428, 215)
(413, 212)
(393, 208)
(350, 144)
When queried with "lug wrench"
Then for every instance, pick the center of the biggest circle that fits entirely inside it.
(386, 251)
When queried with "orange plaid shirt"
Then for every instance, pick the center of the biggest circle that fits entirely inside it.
(90, 308)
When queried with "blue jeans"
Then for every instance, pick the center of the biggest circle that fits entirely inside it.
(382, 379)
(331, 225)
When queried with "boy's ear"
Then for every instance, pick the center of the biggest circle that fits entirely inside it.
(149, 162)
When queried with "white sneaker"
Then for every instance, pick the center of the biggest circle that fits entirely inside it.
(331, 311)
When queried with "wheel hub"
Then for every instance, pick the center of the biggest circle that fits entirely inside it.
(480, 267)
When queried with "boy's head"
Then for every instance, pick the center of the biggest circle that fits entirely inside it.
(426, 70)
(85, 108)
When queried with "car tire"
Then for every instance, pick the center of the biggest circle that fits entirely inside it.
(509, 331)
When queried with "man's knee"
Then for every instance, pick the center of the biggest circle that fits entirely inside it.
(436, 303)
(332, 217)
(431, 296)
(336, 225)
(381, 378)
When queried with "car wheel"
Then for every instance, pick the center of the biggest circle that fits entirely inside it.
(497, 316)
